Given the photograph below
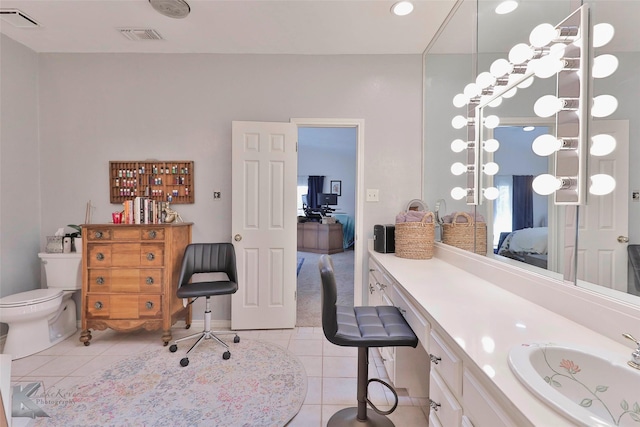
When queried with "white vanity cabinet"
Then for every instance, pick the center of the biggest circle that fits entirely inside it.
(406, 367)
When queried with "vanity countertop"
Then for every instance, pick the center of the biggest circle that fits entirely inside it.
(487, 321)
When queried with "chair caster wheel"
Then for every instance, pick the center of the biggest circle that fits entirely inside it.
(86, 343)
(236, 339)
(173, 348)
(184, 361)
(226, 355)
(188, 326)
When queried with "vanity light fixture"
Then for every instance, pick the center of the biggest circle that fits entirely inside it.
(402, 8)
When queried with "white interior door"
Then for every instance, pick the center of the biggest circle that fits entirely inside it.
(264, 171)
(602, 259)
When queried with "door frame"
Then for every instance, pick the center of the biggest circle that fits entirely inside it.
(358, 247)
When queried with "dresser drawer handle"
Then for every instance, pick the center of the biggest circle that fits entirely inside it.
(151, 256)
(98, 305)
(434, 405)
(100, 256)
(152, 234)
(98, 234)
(149, 280)
(100, 280)
(371, 290)
(435, 359)
(149, 305)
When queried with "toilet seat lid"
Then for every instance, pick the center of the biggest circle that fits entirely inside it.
(30, 297)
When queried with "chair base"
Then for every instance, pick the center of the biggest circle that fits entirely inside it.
(348, 417)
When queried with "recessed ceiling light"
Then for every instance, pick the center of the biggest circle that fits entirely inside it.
(402, 8)
(528, 128)
(506, 6)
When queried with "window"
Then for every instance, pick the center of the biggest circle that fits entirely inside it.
(502, 220)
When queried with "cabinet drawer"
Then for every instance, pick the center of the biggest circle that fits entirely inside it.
(98, 234)
(446, 363)
(125, 233)
(443, 403)
(480, 407)
(418, 323)
(125, 255)
(125, 280)
(151, 255)
(99, 255)
(119, 306)
(152, 233)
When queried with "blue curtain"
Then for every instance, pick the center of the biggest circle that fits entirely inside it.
(522, 202)
(315, 186)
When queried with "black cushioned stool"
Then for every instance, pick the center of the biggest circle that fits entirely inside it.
(362, 327)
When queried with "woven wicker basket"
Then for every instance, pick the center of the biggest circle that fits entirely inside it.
(414, 240)
(461, 234)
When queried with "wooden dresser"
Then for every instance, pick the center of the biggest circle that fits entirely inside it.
(320, 238)
(130, 277)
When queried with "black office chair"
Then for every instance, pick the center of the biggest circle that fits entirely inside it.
(362, 327)
(207, 258)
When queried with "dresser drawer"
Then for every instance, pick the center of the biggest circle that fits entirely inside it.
(152, 233)
(446, 363)
(125, 255)
(98, 234)
(125, 280)
(443, 403)
(119, 306)
(151, 255)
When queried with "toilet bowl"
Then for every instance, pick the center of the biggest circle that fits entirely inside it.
(41, 318)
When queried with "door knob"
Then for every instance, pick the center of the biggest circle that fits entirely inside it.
(237, 237)
(623, 239)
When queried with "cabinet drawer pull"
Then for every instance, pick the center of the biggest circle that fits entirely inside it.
(152, 234)
(100, 256)
(151, 256)
(98, 305)
(435, 359)
(382, 286)
(100, 280)
(402, 311)
(371, 290)
(434, 405)
(149, 280)
(149, 305)
(98, 234)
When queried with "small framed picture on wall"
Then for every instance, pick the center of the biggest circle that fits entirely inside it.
(336, 187)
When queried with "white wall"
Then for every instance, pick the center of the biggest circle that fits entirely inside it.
(100, 107)
(19, 169)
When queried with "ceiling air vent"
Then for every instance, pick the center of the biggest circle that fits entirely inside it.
(18, 18)
(140, 34)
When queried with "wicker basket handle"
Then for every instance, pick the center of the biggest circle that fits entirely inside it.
(464, 224)
(427, 216)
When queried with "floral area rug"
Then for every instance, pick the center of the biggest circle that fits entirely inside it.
(262, 384)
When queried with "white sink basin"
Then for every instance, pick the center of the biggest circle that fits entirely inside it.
(593, 387)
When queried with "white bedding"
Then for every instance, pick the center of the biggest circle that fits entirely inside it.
(527, 240)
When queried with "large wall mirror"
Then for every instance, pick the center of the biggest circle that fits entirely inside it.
(607, 227)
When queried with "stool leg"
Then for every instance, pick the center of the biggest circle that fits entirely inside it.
(358, 417)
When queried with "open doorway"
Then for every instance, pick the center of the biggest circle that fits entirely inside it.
(329, 152)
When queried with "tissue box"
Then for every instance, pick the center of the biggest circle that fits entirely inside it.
(54, 245)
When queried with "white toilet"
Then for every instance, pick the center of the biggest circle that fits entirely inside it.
(41, 318)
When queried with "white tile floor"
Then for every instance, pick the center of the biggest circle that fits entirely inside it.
(331, 369)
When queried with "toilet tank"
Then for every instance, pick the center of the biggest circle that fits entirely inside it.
(63, 271)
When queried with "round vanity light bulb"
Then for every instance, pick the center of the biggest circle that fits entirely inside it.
(491, 122)
(491, 145)
(460, 100)
(458, 168)
(542, 35)
(602, 184)
(520, 53)
(602, 34)
(604, 105)
(491, 193)
(545, 184)
(557, 50)
(604, 66)
(471, 90)
(485, 79)
(545, 145)
(491, 168)
(500, 67)
(526, 83)
(458, 122)
(458, 145)
(402, 8)
(547, 106)
(510, 93)
(496, 102)
(506, 6)
(547, 67)
(602, 145)
(458, 193)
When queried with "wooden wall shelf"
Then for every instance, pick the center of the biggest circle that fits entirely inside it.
(167, 181)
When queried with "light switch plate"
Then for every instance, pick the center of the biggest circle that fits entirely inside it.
(372, 195)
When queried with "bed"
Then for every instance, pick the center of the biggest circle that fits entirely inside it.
(528, 245)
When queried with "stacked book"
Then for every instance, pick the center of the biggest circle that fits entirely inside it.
(143, 210)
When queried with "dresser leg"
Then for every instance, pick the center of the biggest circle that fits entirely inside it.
(166, 337)
(85, 336)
